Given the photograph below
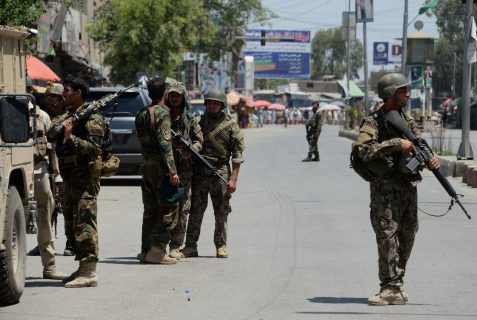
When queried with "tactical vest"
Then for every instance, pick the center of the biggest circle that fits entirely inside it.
(216, 138)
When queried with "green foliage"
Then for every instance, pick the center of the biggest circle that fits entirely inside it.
(21, 12)
(152, 35)
(149, 35)
(328, 54)
(450, 24)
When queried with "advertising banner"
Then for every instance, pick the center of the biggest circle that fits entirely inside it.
(380, 53)
(283, 54)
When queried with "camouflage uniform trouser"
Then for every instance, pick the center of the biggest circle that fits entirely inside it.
(395, 222)
(80, 211)
(45, 204)
(179, 231)
(313, 146)
(158, 215)
(202, 185)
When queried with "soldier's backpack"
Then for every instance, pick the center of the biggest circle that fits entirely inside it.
(357, 164)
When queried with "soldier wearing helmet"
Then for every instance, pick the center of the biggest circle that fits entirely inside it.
(223, 144)
(384, 151)
(54, 101)
(183, 122)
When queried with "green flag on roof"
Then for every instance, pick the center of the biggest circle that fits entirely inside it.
(428, 5)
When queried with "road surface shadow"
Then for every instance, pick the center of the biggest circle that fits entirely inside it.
(338, 300)
(122, 181)
(37, 282)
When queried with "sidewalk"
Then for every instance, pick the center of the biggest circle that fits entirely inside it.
(450, 166)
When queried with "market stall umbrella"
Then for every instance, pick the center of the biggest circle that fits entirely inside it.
(233, 98)
(329, 107)
(276, 106)
(262, 103)
(38, 70)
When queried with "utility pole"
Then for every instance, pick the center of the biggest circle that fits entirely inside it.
(404, 39)
(366, 107)
(465, 149)
(347, 52)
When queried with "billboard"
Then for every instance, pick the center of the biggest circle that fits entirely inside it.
(364, 11)
(285, 54)
(380, 52)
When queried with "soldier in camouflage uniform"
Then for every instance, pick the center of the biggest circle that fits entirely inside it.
(313, 130)
(79, 154)
(393, 188)
(159, 176)
(187, 125)
(223, 142)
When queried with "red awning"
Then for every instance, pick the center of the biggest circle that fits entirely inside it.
(38, 70)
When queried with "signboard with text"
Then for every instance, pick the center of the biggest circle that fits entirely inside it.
(385, 52)
(283, 54)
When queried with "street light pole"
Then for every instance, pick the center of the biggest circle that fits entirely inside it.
(465, 149)
(404, 38)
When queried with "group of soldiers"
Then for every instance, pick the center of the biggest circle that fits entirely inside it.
(175, 185)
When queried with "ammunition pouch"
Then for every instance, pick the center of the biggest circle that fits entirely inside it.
(110, 167)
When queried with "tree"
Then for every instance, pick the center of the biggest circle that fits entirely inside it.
(149, 35)
(152, 35)
(449, 47)
(328, 54)
(21, 12)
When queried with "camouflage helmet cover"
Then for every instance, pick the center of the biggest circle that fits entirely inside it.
(54, 88)
(389, 83)
(177, 87)
(217, 96)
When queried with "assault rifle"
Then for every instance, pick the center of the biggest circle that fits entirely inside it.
(422, 155)
(87, 109)
(188, 146)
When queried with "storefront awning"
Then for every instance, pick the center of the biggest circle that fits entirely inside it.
(354, 90)
(38, 70)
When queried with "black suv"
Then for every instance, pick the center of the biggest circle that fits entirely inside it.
(125, 143)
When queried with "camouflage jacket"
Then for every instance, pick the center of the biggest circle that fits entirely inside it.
(77, 156)
(315, 122)
(223, 140)
(153, 125)
(188, 126)
(379, 146)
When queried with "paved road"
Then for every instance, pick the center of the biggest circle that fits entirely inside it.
(301, 247)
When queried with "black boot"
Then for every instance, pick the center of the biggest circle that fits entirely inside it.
(307, 158)
(34, 252)
(69, 251)
(316, 158)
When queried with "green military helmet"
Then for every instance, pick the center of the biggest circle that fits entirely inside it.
(389, 83)
(216, 95)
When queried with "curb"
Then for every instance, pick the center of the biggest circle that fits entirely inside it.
(450, 166)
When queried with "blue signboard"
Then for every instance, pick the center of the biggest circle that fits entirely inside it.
(284, 55)
(380, 52)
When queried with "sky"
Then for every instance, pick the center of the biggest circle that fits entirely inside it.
(324, 14)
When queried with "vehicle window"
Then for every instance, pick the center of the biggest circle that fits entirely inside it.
(197, 109)
(129, 103)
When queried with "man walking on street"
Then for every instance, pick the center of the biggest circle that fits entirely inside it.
(223, 142)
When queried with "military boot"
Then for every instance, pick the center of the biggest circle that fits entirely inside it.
(176, 254)
(51, 272)
(190, 252)
(222, 252)
(69, 251)
(386, 297)
(86, 276)
(307, 159)
(158, 255)
(34, 252)
(71, 277)
(316, 158)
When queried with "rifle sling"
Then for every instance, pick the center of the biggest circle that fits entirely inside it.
(211, 136)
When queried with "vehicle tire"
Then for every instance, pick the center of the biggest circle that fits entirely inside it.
(13, 258)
